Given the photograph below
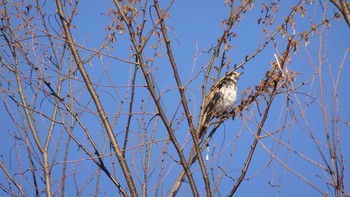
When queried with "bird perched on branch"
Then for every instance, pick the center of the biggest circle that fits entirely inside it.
(219, 100)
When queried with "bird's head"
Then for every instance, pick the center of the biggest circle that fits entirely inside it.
(233, 75)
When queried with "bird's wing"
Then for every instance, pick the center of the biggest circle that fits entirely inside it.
(208, 112)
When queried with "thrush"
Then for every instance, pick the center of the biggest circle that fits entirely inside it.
(219, 100)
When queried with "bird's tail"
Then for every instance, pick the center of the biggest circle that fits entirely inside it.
(204, 125)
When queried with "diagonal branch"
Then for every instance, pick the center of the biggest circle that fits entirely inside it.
(253, 146)
(150, 86)
(98, 105)
(183, 98)
(344, 7)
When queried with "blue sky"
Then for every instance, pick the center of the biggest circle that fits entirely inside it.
(194, 28)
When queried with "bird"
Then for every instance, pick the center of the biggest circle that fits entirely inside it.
(219, 100)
